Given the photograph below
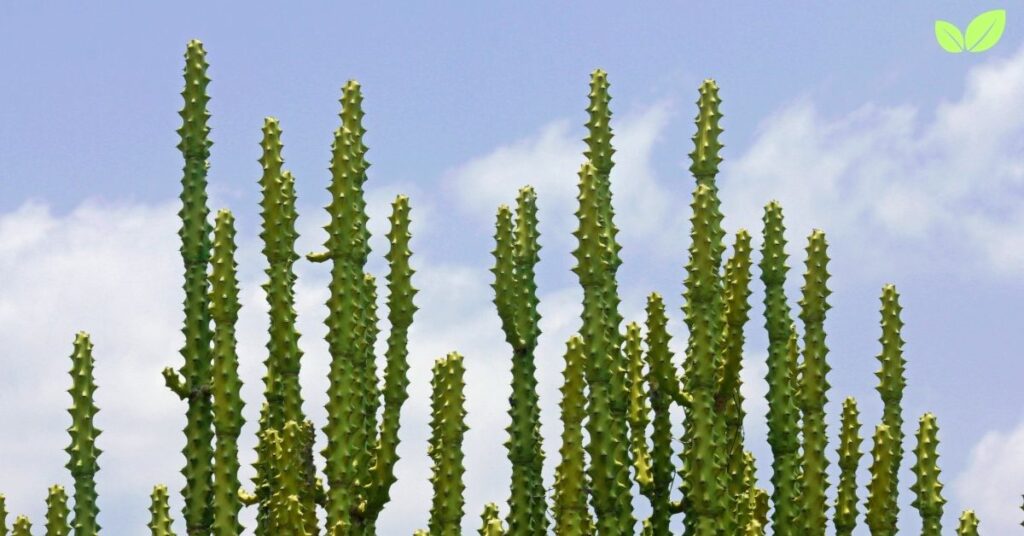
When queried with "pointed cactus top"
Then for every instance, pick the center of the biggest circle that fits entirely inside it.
(706, 145)
(968, 524)
(891, 379)
(194, 128)
(927, 486)
(599, 130)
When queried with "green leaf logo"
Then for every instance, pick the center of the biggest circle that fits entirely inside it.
(982, 33)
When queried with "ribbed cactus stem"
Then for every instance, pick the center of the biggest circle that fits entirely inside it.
(491, 519)
(814, 386)
(880, 519)
(82, 451)
(661, 384)
(927, 487)
(728, 397)
(193, 382)
(845, 517)
(3, 515)
(891, 382)
(292, 511)
(227, 386)
(703, 438)
(705, 157)
(22, 527)
(396, 382)
(783, 415)
(515, 290)
(160, 513)
(57, 512)
(448, 427)
(639, 407)
(570, 511)
(968, 524)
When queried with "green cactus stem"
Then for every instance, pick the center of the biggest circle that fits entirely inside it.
(880, 519)
(927, 487)
(891, 382)
(814, 386)
(160, 514)
(639, 407)
(661, 383)
(291, 511)
(82, 451)
(3, 515)
(570, 512)
(226, 385)
(57, 512)
(192, 382)
(703, 457)
(728, 398)
(515, 289)
(845, 517)
(22, 527)
(968, 524)
(783, 415)
(491, 521)
(448, 427)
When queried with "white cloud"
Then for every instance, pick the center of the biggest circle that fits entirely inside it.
(993, 481)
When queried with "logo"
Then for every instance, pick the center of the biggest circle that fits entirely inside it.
(982, 33)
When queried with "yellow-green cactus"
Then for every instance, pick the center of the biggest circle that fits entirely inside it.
(783, 415)
(226, 385)
(968, 524)
(927, 487)
(703, 457)
(515, 290)
(292, 512)
(192, 383)
(569, 510)
(845, 517)
(814, 387)
(22, 527)
(57, 512)
(3, 515)
(639, 407)
(891, 382)
(160, 515)
(661, 384)
(448, 427)
(82, 451)
(491, 521)
(880, 519)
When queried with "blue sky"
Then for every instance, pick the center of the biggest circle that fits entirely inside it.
(852, 116)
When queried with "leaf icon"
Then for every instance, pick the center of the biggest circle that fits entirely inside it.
(985, 30)
(949, 36)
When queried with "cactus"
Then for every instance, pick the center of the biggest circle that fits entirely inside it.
(880, 519)
(448, 426)
(192, 381)
(927, 488)
(968, 524)
(160, 516)
(3, 515)
(814, 387)
(83, 452)
(570, 501)
(845, 517)
(22, 527)
(515, 257)
(661, 384)
(491, 521)
(57, 512)
(891, 383)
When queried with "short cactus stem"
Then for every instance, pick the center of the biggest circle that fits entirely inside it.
(968, 524)
(57, 512)
(3, 515)
(927, 487)
(569, 510)
(22, 527)
(880, 519)
(448, 427)
(159, 511)
(82, 451)
(845, 517)
(491, 519)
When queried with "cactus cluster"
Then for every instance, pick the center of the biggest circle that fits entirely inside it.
(621, 380)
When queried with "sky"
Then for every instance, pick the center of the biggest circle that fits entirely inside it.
(851, 115)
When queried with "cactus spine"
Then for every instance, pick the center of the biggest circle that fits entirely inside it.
(226, 385)
(845, 517)
(192, 382)
(160, 515)
(57, 512)
(82, 451)
(927, 487)
(448, 426)
(516, 256)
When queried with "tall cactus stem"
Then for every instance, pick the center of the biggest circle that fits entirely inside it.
(448, 427)
(891, 382)
(82, 451)
(570, 512)
(927, 487)
(880, 519)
